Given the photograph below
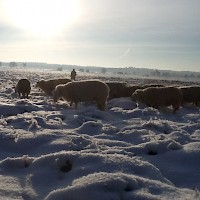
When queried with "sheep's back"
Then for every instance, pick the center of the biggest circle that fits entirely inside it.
(117, 89)
(49, 85)
(190, 93)
(23, 86)
(86, 90)
(162, 95)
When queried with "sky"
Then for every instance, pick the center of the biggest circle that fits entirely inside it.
(156, 34)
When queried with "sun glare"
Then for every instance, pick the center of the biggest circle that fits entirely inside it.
(43, 18)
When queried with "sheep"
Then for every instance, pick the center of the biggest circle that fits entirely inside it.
(83, 91)
(23, 88)
(49, 85)
(159, 96)
(191, 94)
(116, 89)
(129, 90)
(120, 89)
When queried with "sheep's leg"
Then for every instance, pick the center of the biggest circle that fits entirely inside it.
(155, 106)
(175, 108)
(23, 96)
(197, 103)
(101, 106)
(76, 105)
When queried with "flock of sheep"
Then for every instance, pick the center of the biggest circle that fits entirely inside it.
(155, 95)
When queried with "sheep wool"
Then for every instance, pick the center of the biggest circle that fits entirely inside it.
(49, 85)
(191, 94)
(83, 91)
(159, 96)
(23, 88)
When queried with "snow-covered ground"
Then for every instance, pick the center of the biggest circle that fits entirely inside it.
(53, 152)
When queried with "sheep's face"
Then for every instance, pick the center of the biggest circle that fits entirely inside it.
(137, 95)
(40, 83)
(15, 89)
(56, 95)
(134, 96)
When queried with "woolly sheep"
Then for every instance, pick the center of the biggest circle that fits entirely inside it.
(49, 85)
(23, 88)
(191, 94)
(120, 89)
(116, 89)
(129, 90)
(83, 91)
(159, 96)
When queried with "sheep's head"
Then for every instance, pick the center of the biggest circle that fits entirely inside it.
(137, 95)
(56, 94)
(40, 84)
(134, 96)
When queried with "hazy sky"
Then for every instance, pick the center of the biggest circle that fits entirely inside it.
(161, 34)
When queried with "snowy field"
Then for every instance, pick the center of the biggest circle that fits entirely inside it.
(53, 152)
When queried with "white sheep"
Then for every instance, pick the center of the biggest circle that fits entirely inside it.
(49, 85)
(191, 94)
(116, 89)
(159, 96)
(83, 91)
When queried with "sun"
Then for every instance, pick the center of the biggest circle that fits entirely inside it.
(44, 18)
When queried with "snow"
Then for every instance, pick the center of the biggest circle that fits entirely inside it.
(51, 151)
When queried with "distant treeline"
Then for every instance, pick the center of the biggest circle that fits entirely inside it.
(130, 71)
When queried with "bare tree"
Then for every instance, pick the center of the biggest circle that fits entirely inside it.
(103, 70)
(13, 64)
(24, 65)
